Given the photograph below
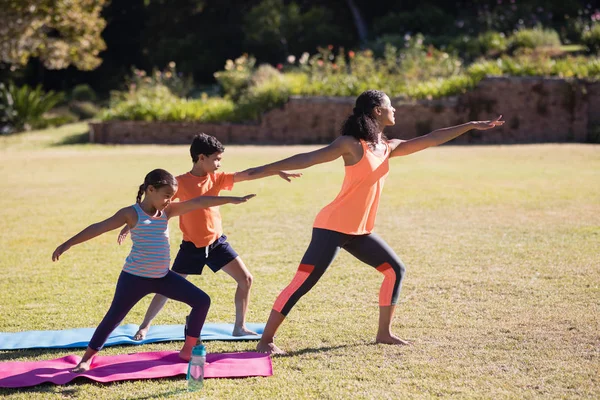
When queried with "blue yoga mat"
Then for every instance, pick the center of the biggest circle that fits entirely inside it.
(72, 338)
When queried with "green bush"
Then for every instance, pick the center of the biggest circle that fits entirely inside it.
(535, 38)
(591, 38)
(83, 92)
(236, 76)
(24, 107)
(84, 109)
(440, 87)
(56, 117)
(162, 105)
(480, 69)
(492, 43)
(487, 44)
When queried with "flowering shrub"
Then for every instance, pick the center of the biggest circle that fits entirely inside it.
(535, 38)
(414, 70)
(591, 36)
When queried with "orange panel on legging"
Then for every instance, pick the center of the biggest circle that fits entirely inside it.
(387, 286)
(302, 274)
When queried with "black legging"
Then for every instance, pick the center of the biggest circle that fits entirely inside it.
(131, 289)
(323, 248)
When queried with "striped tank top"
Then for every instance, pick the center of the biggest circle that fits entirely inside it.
(150, 255)
(354, 209)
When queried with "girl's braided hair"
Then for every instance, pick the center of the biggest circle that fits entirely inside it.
(156, 178)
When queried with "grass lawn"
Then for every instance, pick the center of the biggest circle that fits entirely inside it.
(501, 297)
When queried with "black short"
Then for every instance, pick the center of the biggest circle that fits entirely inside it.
(191, 260)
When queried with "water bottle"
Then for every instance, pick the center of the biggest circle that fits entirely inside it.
(195, 374)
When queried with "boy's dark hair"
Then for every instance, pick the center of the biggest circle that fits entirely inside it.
(206, 145)
(156, 178)
(361, 124)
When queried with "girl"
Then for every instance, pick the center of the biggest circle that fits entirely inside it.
(146, 269)
(348, 221)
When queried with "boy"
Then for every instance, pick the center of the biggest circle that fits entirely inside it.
(203, 240)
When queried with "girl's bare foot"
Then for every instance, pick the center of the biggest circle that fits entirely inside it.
(242, 331)
(141, 334)
(268, 348)
(391, 339)
(81, 367)
(185, 354)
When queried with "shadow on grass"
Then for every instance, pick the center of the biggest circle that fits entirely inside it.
(77, 138)
(9, 355)
(74, 388)
(312, 350)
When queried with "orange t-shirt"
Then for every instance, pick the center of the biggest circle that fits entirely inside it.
(202, 226)
(354, 209)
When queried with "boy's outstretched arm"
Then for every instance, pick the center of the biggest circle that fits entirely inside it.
(123, 216)
(176, 209)
(123, 234)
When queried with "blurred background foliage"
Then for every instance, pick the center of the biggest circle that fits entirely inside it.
(231, 60)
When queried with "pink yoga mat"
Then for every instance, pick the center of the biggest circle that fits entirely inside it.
(159, 364)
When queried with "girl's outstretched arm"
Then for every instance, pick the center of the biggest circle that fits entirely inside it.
(125, 215)
(439, 136)
(335, 150)
(175, 209)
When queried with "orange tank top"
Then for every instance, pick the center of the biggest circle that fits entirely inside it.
(354, 209)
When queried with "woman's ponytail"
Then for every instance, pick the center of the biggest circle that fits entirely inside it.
(361, 124)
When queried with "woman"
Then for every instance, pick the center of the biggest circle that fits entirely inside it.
(348, 221)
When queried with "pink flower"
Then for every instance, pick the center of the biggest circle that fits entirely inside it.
(320, 62)
(351, 54)
(330, 47)
(280, 66)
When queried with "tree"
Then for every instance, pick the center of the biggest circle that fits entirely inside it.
(59, 32)
(273, 30)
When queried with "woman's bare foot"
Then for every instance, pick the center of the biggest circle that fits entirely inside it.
(81, 367)
(242, 331)
(391, 339)
(141, 334)
(268, 348)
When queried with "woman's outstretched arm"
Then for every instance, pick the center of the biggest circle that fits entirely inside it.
(333, 151)
(439, 136)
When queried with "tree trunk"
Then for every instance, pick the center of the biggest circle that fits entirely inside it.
(361, 26)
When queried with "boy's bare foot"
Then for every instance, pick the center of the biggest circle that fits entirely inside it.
(268, 348)
(141, 334)
(81, 367)
(242, 331)
(391, 339)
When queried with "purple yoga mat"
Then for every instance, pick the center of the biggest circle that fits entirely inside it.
(159, 364)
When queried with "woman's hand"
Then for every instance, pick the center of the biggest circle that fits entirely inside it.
(485, 125)
(288, 175)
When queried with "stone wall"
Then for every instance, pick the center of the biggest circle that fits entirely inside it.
(535, 109)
